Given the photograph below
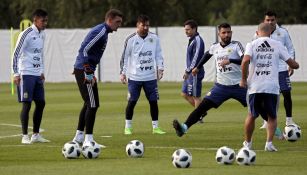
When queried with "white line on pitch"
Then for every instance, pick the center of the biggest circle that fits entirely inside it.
(16, 135)
(106, 136)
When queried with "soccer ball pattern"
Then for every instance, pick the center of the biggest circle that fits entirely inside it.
(225, 155)
(246, 157)
(292, 133)
(91, 150)
(182, 158)
(135, 148)
(71, 150)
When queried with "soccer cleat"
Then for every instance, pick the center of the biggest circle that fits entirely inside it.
(247, 145)
(291, 122)
(158, 131)
(37, 138)
(25, 139)
(178, 127)
(93, 142)
(270, 148)
(264, 125)
(80, 142)
(278, 133)
(128, 131)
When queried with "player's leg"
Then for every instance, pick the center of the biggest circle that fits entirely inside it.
(134, 90)
(285, 89)
(152, 95)
(39, 99)
(25, 96)
(253, 103)
(186, 90)
(197, 87)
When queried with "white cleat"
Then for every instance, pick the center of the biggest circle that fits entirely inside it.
(101, 146)
(247, 145)
(80, 142)
(25, 139)
(270, 148)
(37, 138)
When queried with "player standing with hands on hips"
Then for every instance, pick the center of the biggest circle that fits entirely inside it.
(28, 68)
(141, 65)
(89, 56)
(260, 75)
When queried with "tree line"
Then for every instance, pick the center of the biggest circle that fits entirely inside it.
(86, 13)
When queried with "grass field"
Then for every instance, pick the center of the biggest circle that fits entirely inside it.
(223, 126)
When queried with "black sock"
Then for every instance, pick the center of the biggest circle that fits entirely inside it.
(200, 111)
(38, 115)
(154, 110)
(287, 102)
(130, 109)
(81, 122)
(24, 117)
(90, 116)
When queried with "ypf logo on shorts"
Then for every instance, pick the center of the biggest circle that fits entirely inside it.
(25, 95)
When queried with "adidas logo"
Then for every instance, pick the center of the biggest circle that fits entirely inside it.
(264, 47)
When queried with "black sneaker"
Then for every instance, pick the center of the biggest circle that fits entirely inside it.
(178, 128)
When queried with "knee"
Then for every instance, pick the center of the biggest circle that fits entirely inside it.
(184, 95)
(40, 104)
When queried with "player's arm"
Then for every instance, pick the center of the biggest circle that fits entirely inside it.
(283, 54)
(159, 60)
(42, 66)
(244, 67)
(199, 47)
(290, 48)
(124, 62)
(201, 63)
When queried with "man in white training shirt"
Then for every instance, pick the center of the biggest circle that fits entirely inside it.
(28, 67)
(260, 76)
(141, 66)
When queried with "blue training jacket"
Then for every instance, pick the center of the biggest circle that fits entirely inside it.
(93, 46)
(195, 52)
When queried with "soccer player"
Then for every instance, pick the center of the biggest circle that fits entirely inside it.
(141, 65)
(89, 56)
(282, 35)
(28, 68)
(228, 55)
(192, 84)
(262, 59)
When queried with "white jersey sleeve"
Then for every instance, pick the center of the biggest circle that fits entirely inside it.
(159, 57)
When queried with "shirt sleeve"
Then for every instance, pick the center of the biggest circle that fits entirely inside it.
(249, 49)
(289, 45)
(124, 58)
(42, 67)
(199, 47)
(159, 57)
(283, 52)
(20, 45)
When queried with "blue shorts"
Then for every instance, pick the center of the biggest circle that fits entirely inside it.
(284, 81)
(220, 93)
(193, 85)
(31, 88)
(264, 104)
(150, 89)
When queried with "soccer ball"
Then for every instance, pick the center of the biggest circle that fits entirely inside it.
(91, 150)
(246, 157)
(135, 148)
(182, 158)
(292, 133)
(225, 155)
(71, 150)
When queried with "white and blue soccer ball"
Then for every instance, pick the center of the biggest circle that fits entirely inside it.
(292, 133)
(246, 156)
(225, 155)
(71, 150)
(135, 149)
(182, 158)
(91, 150)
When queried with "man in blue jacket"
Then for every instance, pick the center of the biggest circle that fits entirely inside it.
(89, 56)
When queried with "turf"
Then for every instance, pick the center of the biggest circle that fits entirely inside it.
(223, 126)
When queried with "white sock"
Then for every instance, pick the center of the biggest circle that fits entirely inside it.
(79, 135)
(289, 120)
(128, 124)
(267, 143)
(88, 137)
(155, 124)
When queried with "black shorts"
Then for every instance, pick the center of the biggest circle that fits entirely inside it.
(264, 104)
(88, 92)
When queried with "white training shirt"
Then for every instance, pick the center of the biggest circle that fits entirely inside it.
(265, 54)
(281, 34)
(231, 74)
(142, 57)
(28, 54)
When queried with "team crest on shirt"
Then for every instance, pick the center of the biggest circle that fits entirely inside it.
(229, 50)
(278, 34)
(25, 95)
(150, 40)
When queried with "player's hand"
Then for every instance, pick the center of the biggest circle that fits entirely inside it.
(224, 62)
(290, 71)
(185, 76)
(42, 77)
(89, 78)
(160, 74)
(243, 83)
(17, 80)
(123, 78)
(195, 71)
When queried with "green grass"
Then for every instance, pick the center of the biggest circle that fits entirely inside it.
(223, 126)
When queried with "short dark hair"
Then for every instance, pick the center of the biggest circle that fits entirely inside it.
(192, 23)
(143, 18)
(270, 13)
(223, 25)
(112, 13)
(39, 13)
